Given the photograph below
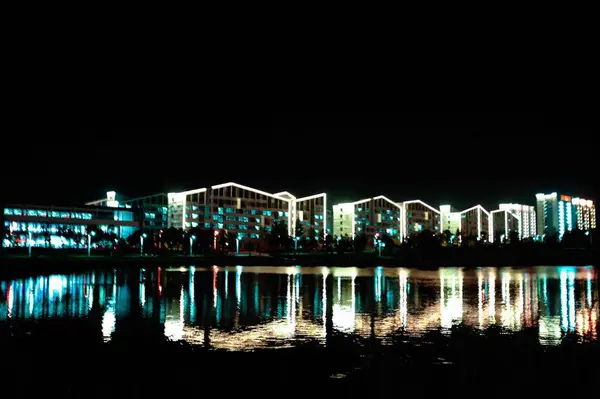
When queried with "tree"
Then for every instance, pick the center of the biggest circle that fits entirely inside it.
(329, 242)
(299, 229)
(360, 242)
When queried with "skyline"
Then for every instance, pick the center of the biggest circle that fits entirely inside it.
(460, 159)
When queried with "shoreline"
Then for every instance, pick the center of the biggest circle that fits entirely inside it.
(410, 259)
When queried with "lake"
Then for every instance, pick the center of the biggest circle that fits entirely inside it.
(247, 308)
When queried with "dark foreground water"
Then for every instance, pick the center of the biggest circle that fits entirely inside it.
(246, 308)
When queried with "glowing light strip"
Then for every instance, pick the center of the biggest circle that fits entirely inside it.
(388, 200)
(325, 216)
(421, 202)
(361, 201)
(249, 189)
(285, 193)
(311, 197)
(197, 190)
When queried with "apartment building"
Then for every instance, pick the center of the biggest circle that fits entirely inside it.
(502, 223)
(420, 216)
(475, 221)
(526, 217)
(369, 216)
(246, 211)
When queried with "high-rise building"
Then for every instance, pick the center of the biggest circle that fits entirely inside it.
(559, 213)
(369, 216)
(419, 217)
(526, 216)
(585, 213)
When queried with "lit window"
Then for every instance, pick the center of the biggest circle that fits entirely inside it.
(280, 213)
(257, 220)
(220, 211)
(286, 214)
(267, 213)
(8, 211)
(253, 212)
(257, 227)
(17, 212)
(207, 225)
(215, 217)
(42, 214)
(220, 225)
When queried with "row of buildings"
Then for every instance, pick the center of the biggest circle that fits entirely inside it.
(251, 213)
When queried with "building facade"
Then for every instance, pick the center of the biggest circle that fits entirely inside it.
(419, 216)
(585, 213)
(450, 219)
(559, 213)
(377, 215)
(245, 211)
(527, 218)
(475, 221)
(62, 227)
(502, 223)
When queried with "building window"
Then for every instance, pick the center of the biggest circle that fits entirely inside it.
(207, 225)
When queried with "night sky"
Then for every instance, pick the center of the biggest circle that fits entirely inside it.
(458, 158)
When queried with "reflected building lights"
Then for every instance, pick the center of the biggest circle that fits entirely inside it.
(403, 306)
(238, 284)
(191, 290)
(588, 289)
(480, 297)
(492, 296)
(451, 297)
(563, 300)
(377, 282)
(215, 271)
(571, 287)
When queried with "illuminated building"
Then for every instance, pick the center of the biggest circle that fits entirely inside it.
(370, 216)
(585, 213)
(246, 211)
(153, 208)
(450, 219)
(475, 221)
(502, 223)
(559, 213)
(419, 216)
(60, 226)
(526, 216)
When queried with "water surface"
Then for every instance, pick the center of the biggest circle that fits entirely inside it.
(245, 308)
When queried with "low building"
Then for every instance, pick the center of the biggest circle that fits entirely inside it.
(153, 208)
(62, 226)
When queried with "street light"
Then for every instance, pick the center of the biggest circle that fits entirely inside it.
(142, 236)
(90, 234)
(237, 244)
(192, 238)
(296, 239)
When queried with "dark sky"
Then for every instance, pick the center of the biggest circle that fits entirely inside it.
(457, 158)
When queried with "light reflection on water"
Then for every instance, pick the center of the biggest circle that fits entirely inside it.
(283, 306)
